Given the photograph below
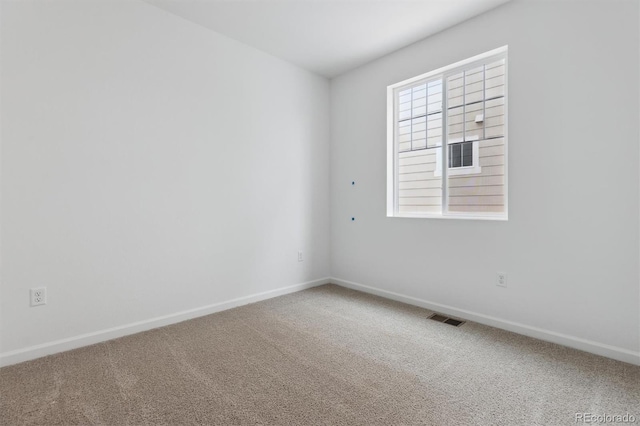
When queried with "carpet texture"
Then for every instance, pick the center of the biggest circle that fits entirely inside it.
(325, 356)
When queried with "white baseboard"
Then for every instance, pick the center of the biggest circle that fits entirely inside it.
(37, 351)
(602, 349)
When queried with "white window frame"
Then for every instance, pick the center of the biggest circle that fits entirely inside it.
(441, 166)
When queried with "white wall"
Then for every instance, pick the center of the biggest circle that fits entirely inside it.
(150, 166)
(570, 247)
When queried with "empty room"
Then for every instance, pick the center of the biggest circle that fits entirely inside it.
(319, 212)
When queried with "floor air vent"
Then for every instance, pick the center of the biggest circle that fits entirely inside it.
(446, 320)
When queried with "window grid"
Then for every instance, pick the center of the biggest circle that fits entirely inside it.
(427, 114)
(410, 120)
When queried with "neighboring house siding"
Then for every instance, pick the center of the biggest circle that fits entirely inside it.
(418, 189)
(483, 192)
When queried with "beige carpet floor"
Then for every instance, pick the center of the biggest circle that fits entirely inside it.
(325, 356)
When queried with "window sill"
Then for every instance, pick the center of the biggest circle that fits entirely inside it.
(500, 217)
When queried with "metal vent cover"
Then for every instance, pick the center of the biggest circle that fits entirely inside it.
(446, 320)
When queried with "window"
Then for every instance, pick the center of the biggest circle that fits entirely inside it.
(447, 141)
(460, 155)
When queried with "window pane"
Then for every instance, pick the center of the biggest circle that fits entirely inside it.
(434, 101)
(467, 154)
(479, 121)
(434, 130)
(419, 100)
(474, 121)
(455, 125)
(404, 127)
(419, 189)
(455, 89)
(419, 133)
(455, 155)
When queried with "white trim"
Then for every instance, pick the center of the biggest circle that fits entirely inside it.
(391, 157)
(62, 345)
(506, 136)
(452, 215)
(469, 170)
(460, 171)
(590, 346)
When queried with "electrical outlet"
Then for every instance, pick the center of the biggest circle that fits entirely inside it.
(300, 258)
(501, 279)
(38, 296)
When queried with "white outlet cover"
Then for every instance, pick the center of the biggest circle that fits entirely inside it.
(501, 279)
(38, 296)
